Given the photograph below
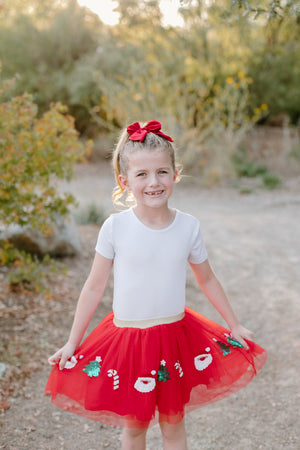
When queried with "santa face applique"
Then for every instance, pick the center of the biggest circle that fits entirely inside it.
(148, 384)
(145, 384)
(202, 361)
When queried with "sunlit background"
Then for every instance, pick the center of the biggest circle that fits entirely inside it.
(105, 10)
(217, 73)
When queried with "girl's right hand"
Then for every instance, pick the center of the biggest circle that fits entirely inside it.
(62, 355)
(240, 333)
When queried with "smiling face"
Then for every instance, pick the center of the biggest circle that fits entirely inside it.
(150, 177)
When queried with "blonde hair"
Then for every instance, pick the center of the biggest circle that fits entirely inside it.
(125, 147)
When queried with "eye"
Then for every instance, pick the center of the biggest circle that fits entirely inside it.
(141, 174)
(163, 171)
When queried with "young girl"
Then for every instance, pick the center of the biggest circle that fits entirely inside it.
(152, 359)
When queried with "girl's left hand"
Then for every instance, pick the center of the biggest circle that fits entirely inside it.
(62, 356)
(240, 333)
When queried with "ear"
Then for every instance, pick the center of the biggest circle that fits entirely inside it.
(123, 182)
(175, 175)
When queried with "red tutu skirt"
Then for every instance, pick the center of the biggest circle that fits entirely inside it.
(136, 377)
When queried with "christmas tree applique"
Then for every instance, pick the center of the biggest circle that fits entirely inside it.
(163, 373)
(93, 368)
(234, 342)
(225, 348)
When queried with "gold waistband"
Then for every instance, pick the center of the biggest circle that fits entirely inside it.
(147, 322)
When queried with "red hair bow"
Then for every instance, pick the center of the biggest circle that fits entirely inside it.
(138, 134)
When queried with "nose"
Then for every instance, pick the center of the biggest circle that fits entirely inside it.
(153, 181)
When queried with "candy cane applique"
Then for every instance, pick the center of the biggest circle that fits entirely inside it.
(179, 368)
(114, 373)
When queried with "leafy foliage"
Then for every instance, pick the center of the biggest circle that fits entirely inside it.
(92, 213)
(246, 167)
(109, 75)
(271, 180)
(140, 69)
(272, 9)
(47, 53)
(29, 273)
(221, 117)
(34, 152)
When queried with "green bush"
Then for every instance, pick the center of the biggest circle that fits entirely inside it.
(271, 180)
(245, 167)
(48, 51)
(92, 214)
(34, 153)
(223, 118)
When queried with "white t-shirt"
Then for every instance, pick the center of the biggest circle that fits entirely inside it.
(149, 264)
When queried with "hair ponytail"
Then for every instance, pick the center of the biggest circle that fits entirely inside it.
(118, 190)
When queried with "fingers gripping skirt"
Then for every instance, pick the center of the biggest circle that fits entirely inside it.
(135, 377)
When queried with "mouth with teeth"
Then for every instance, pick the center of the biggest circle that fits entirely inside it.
(154, 194)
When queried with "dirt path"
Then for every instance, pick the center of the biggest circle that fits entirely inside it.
(254, 246)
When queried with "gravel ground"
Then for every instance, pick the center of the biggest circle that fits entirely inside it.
(253, 243)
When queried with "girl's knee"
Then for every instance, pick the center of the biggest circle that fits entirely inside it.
(173, 432)
(134, 439)
(134, 433)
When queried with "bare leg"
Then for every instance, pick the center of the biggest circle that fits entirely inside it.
(134, 439)
(174, 436)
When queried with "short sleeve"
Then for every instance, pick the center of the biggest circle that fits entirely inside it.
(198, 253)
(104, 244)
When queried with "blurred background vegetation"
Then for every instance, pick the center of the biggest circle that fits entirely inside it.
(139, 68)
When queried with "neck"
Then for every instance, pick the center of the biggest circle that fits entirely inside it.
(155, 217)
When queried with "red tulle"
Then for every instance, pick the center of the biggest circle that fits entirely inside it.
(136, 377)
